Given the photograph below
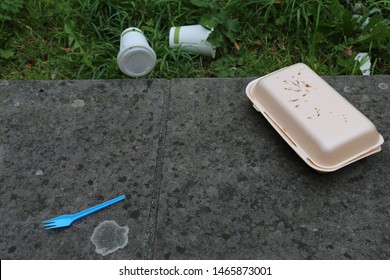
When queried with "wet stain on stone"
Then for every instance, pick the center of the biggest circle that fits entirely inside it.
(135, 214)
(226, 236)
(126, 206)
(122, 179)
(227, 193)
(11, 249)
(42, 200)
(108, 237)
(241, 178)
(2, 156)
(101, 87)
(348, 256)
(180, 249)
(178, 204)
(149, 83)
(205, 209)
(90, 182)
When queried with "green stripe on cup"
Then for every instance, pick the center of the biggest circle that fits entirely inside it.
(132, 30)
(176, 35)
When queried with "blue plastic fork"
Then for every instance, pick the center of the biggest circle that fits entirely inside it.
(67, 220)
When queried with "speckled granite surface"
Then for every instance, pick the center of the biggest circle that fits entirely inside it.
(205, 175)
(68, 145)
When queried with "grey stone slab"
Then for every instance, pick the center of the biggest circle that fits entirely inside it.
(68, 145)
(233, 189)
(194, 159)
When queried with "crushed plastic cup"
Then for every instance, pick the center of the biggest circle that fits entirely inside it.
(192, 39)
(135, 58)
(365, 63)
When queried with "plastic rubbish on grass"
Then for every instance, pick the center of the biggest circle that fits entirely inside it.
(365, 63)
(135, 58)
(192, 39)
(367, 20)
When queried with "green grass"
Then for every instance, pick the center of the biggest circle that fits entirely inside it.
(79, 39)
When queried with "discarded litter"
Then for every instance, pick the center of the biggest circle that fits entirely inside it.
(135, 58)
(67, 220)
(367, 19)
(323, 128)
(191, 38)
(365, 63)
(108, 237)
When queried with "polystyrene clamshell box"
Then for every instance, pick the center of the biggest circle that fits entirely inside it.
(323, 128)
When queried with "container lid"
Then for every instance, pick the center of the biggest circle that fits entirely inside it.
(136, 61)
(321, 126)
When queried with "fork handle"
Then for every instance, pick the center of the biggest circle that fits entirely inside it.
(98, 207)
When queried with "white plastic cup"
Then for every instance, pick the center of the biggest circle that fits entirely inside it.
(191, 38)
(135, 58)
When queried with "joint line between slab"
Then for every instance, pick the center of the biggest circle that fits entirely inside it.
(151, 227)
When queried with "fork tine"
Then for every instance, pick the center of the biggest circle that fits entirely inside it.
(48, 224)
(48, 221)
(52, 219)
(51, 227)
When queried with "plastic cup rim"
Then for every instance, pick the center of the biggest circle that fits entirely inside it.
(129, 49)
(136, 30)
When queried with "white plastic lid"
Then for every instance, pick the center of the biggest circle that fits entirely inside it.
(136, 61)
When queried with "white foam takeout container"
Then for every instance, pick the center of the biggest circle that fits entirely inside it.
(322, 127)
